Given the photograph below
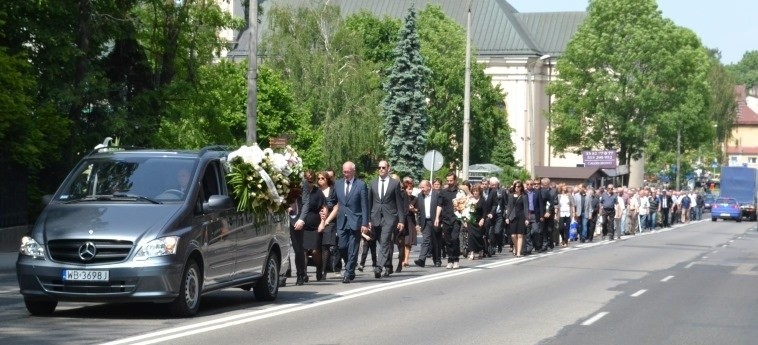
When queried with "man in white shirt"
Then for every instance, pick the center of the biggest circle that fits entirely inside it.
(644, 210)
(632, 212)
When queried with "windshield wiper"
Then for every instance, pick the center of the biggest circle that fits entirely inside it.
(138, 197)
(106, 197)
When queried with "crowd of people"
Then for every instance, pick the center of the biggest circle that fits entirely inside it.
(335, 219)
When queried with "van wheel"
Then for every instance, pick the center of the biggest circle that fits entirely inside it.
(267, 287)
(39, 307)
(188, 301)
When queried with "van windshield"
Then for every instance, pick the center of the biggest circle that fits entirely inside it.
(139, 178)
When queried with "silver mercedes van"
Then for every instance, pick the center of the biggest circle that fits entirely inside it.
(149, 226)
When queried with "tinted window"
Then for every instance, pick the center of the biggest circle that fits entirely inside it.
(151, 177)
(726, 201)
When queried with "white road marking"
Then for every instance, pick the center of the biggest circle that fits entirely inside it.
(705, 257)
(730, 241)
(667, 279)
(594, 319)
(8, 291)
(690, 264)
(724, 246)
(639, 293)
(715, 251)
(243, 318)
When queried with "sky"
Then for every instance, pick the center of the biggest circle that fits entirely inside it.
(729, 25)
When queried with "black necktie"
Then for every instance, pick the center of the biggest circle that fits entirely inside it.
(381, 190)
(347, 187)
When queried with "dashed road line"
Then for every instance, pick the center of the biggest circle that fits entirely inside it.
(690, 264)
(666, 279)
(594, 319)
(639, 293)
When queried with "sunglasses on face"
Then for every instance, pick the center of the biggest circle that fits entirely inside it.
(382, 168)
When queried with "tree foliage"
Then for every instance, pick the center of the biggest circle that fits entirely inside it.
(628, 76)
(443, 45)
(745, 72)
(333, 82)
(404, 104)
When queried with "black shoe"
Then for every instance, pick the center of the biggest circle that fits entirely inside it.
(377, 272)
(420, 263)
(345, 280)
(352, 277)
(438, 264)
(399, 268)
(319, 276)
(360, 268)
(385, 274)
(299, 280)
(389, 270)
(305, 278)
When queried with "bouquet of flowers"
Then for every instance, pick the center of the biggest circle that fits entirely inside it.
(464, 207)
(262, 180)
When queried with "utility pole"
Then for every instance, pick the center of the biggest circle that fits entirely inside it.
(252, 73)
(467, 95)
(678, 154)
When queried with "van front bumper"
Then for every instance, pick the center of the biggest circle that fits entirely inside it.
(152, 280)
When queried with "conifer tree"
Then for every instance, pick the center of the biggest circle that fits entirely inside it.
(404, 106)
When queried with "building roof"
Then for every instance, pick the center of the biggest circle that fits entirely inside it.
(575, 173)
(742, 150)
(487, 168)
(498, 29)
(745, 115)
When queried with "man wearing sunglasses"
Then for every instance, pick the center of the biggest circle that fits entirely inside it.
(386, 204)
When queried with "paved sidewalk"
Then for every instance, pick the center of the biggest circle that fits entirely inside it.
(8, 262)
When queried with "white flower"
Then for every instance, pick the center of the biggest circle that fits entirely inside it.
(280, 162)
(249, 154)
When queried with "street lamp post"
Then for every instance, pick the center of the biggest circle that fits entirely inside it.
(532, 117)
(678, 154)
(467, 95)
(252, 73)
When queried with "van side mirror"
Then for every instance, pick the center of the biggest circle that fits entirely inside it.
(218, 203)
(46, 199)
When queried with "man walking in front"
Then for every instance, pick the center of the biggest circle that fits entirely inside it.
(608, 202)
(427, 206)
(352, 217)
(451, 226)
(387, 209)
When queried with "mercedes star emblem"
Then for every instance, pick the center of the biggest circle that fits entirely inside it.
(87, 251)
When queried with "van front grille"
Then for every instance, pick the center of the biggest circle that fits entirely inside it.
(105, 251)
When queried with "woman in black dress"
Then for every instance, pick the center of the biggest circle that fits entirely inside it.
(407, 238)
(327, 229)
(518, 205)
(476, 228)
(308, 223)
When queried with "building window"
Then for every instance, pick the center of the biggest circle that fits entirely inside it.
(733, 159)
(752, 160)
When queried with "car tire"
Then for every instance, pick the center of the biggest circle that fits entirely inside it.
(188, 301)
(267, 287)
(38, 307)
(713, 219)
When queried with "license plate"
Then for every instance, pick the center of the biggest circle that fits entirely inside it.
(725, 215)
(85, 275)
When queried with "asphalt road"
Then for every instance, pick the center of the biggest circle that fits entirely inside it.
(693, 284)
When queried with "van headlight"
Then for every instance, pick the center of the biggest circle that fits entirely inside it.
(158, 247)
(30, 247)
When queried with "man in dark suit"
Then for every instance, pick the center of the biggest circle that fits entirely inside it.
(665, 203)
(385, 199)
(548, 207)
(489, 195)
(427, 206)
(497, 216)
(352, 218)
(451, 225)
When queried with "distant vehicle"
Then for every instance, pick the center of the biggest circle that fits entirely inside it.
(708, 200)
(741, 183)
(149, 226)
(726, 208)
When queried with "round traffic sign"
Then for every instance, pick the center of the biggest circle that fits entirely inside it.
(433, 160)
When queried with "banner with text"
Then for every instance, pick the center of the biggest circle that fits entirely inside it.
(601, 159)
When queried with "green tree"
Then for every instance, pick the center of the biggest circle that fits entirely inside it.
(443, 46)
(745, 72)
(628, 77)
(404, 105)
(338, 87)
